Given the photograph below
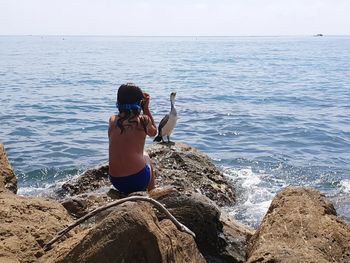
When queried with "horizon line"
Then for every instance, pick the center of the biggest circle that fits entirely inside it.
(111, 35)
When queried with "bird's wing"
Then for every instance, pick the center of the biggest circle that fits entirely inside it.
(163, 122)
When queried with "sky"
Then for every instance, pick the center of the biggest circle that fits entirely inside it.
(175, 17)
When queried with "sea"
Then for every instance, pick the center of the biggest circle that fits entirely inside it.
(271, 111)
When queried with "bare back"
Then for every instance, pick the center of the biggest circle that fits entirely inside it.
(126, 150)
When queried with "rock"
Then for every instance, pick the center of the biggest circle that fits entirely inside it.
(236, 238)
(131, 233)
(26, 224)
(216, 241)
(8, 178)
(77, 207)
(179, 165)
(89, 181)
(179, 168)
(186, 168)
(80, 205)
(300, 226)
(199, 214)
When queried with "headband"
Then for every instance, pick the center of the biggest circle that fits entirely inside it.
(131, 106)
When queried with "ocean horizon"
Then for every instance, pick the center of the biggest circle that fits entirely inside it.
(271, 111)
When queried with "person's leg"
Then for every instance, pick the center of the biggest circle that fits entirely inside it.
(148, 160)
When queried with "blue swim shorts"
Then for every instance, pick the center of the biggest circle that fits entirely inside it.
(132, 183)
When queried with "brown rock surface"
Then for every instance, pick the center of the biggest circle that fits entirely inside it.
(131, 233)
(300, 226)
(185, 168)
(218, 241)
(8, 179)
(26, 224)
(80, 205)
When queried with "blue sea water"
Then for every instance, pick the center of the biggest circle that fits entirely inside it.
(270, 111)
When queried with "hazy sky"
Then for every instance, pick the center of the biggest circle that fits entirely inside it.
(174, 17)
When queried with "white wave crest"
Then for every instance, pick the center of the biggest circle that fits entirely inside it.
(345, 186)
(253, 195)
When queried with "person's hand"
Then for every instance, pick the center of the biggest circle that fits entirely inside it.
(145, 101)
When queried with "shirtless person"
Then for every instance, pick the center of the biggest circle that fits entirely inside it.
(130, 167)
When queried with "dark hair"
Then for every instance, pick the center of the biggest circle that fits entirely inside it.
(129, 93)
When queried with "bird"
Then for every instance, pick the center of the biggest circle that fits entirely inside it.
(168, 123)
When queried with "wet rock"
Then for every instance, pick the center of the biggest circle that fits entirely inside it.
(131, 233)
(88, 181)
(236, 238)
(300, 226)
(8, 178)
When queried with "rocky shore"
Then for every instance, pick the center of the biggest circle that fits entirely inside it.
(301, 225)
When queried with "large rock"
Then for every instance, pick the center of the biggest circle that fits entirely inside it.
(300, 226)
(177, 165)
(200, 187)
(185, 168)
(8, 179)
(131, 233)
(218, 236)
(26, 224)
(220, 239)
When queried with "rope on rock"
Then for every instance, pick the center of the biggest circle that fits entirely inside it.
(158, 205)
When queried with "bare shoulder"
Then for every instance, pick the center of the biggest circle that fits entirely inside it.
(113, 119)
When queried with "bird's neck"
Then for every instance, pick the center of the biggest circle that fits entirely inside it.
(173, 110)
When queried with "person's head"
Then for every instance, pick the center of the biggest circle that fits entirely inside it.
(129, 104)
(129, 97)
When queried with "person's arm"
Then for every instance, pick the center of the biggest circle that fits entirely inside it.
(151, 126)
